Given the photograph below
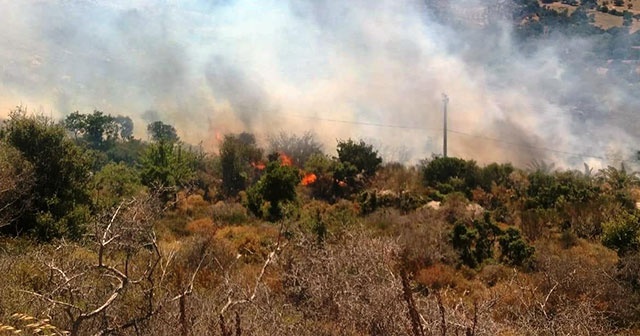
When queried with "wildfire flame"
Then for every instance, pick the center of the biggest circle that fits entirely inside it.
(308, 179)
(285, 160)
(258, 165)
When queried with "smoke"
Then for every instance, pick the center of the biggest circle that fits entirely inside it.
(211, 67)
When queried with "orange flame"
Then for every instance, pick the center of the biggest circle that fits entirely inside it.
(285, 160)
(258, 165)
(308, 179)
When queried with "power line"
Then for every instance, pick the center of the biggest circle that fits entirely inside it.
(516, 144)
(360, 122)
(477, 136)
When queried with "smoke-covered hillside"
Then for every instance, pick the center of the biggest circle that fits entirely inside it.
(524, 82)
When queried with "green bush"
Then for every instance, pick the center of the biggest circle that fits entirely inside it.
(448, 174)
(276, 186)
(61, 171)
(621, 233)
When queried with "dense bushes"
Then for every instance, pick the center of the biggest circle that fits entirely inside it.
(60, 198)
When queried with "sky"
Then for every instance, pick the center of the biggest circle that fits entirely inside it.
(372, 70)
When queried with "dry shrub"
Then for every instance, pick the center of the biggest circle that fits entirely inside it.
(345, 288)
(201, 226)
(398, 178)
(226, 213)
(253, 243)
(438, 276)
(494, 273)
(424, 239)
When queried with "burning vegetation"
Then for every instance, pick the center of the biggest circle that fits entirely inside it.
(104, 231)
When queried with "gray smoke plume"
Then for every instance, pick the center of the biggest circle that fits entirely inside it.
(339, 68)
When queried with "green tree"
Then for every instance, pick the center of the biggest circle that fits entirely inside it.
(239, 159)
(61, 173)
(326, 185)
(98, 130)
(448, 174)
(622, 233)
(167, 166)
(276, 186)
(362, 156)
(161, 132)
(515, 250)
(16, 184)
(114, 183)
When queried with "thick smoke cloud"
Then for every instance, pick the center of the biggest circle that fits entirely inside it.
(212, 67)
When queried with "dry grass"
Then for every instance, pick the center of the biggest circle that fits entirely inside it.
(606, 21)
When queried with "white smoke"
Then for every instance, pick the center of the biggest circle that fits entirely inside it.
(227, 66)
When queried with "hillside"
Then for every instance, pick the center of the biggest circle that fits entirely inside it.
(160, 238)
(274, 168)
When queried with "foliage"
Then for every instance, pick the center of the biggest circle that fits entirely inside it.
(622, 233)
(127, 152)
(16, 182)
(61, 172)
(114, 183)
(450, 174)
(161, 132)
(515, 251)
(298, 148)
(326, 187)
(239, 157)
(474, 243)
(98, 130)
(167, 165)
(359, 155)
(276, 186)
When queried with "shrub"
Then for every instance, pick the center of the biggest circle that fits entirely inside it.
(362, 156)
(514, 250)
(448, 174)
(60, 171)
(276, 186)
(621, 233)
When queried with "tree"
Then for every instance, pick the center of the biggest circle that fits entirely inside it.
(126, 127)
(113, 183)
(448, 174)
(16, 183)
(239, 159)
(362, 156)
(161, 132)
(61, 172)
(98, 130)
(276, 186)
(327, 185)
(622, 233)
(167, 166)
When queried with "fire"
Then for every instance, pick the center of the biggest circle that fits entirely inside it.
(258, 165)
(308, 179)
(285, 160)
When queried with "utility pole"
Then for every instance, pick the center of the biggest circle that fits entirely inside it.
(445, 101)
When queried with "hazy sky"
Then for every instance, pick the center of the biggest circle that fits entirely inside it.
(217, 66)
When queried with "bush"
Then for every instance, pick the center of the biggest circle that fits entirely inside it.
(60, 171)
(514, 250)
(276, 186)
(239, 160)
(448, 174)
(361, 156)
(621, 233)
